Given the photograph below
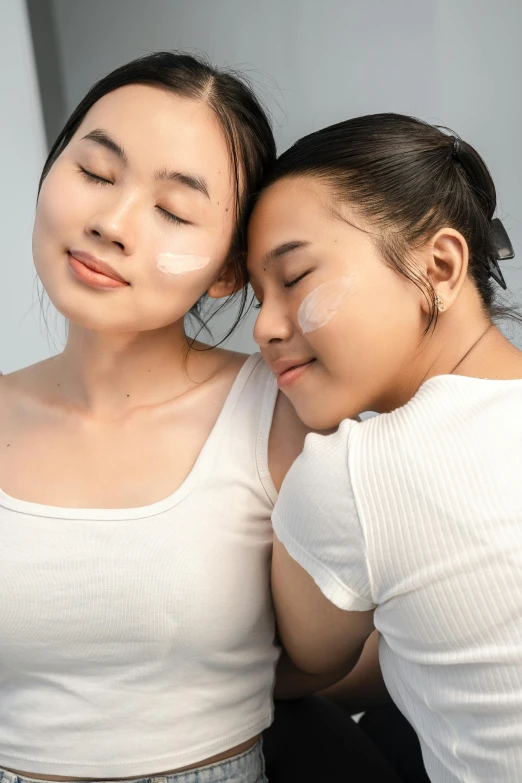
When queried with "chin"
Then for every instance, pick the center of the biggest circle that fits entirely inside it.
(316, 417)
(323, 412)
(99, 316)
(94, 316)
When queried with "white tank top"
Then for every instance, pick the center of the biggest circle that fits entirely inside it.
(139, 640)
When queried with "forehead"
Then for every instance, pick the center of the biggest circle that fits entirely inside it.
(293, 209)
(290, 200)
(159, 129)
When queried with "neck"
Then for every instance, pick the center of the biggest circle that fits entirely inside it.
(464, 342)
(469, 343)
(116, 372)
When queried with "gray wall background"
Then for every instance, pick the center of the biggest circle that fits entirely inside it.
(314, 62)
(23, 338)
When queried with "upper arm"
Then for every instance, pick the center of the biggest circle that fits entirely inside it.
(287, 437)
(317, 635)
(286, 441)
(321, 580)
(364, 687)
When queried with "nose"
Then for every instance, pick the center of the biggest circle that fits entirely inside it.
(114, 224)
(272, 325)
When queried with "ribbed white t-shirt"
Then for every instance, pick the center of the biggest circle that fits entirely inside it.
(134, 641)
(419, 514)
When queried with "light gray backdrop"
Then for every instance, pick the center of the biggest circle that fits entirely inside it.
(22, 146)
(452, 62)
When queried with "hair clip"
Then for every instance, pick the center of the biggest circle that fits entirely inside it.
(503, 251)
(499, 238)
(456, 148)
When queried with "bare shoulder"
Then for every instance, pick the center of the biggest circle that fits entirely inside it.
(286, 442)
(232, 359)
(9, 399)
(24, 384)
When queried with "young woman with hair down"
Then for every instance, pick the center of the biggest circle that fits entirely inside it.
(138, 469)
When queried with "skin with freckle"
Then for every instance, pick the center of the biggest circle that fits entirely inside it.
(364, 344)
(169, 227)
(342, 380)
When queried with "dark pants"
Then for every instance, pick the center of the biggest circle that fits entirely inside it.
(397, 741)
(315, 740)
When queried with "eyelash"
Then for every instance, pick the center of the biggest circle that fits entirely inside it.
(291, 284)
(173, 218)
(297, 280)
(90, 177)
(94, 178)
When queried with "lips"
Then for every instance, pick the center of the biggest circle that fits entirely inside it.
(281, 366)
(96, 265)
(289, 370)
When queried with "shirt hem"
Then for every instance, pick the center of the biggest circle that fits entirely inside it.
(142, 767)
(329, 584)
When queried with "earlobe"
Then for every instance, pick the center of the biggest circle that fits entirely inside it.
(226, 284)
(447, 266)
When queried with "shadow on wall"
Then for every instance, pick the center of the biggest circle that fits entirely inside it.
(50, 82)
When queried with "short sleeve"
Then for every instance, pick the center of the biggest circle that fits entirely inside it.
(316, 520)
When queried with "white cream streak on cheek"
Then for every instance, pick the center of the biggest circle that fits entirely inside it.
(323, 303)
(174, 264)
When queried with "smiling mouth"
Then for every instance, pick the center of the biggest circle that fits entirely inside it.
(293, 373)
(93, 272)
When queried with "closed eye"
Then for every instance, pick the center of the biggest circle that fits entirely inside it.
(91, 177)
(291, 283)
(173, 218)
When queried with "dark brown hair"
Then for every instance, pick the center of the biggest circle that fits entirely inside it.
(407, 179)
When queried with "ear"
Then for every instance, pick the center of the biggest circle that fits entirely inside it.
(447, 265)
(226, 284)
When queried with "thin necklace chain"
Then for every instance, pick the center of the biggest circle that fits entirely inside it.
(471, 349)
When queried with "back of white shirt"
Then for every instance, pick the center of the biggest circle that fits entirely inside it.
(419, 514)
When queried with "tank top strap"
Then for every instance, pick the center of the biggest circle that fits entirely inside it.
(243, 428)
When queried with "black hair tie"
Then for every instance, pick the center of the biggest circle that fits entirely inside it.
(456, 149)
(499, 237)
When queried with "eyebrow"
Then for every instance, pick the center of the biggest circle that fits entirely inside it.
(189, 180)
(102, 138)
(283, 249)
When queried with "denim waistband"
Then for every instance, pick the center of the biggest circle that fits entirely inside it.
(247, 767)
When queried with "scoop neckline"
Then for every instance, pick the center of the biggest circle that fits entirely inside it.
(152, 509)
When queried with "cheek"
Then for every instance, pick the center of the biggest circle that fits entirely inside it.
(184, 265)
(48, 227)
(191, 254)
(359, 330)
(181, 263)
(324, 303)
(60, 215)
(48, 216)
(62, 201)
